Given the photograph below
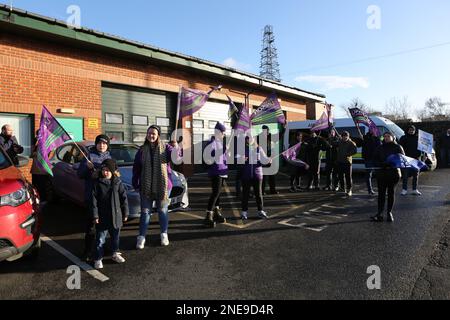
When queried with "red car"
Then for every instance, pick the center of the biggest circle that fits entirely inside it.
(19, 213)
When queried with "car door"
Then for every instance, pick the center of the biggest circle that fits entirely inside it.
(65, 179)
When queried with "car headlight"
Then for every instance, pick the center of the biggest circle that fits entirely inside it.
(16, 198)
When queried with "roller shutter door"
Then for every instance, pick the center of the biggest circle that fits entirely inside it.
(205, 120)
(127, 112)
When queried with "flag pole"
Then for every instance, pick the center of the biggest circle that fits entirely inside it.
(178, 111)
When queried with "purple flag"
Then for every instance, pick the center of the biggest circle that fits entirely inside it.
(291, 153)
(51, 136)
(322, 123)
(269, 112)
(192, 100)
(233, 109)
(244, 122)
(360, 117)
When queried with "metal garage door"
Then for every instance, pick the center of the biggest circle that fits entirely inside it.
(127, 112)
(205, 120)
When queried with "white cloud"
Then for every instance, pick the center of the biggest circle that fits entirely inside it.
(232, 63)
(336, 82)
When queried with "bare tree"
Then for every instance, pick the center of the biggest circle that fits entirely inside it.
(435, 109)
(398, 109)
(357, 103)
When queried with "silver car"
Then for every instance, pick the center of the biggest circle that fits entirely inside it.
(66, 183)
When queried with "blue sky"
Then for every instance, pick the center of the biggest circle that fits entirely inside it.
(315, 40)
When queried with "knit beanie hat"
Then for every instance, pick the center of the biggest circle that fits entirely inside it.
(110, 164)
(220, 127)
(102, 138)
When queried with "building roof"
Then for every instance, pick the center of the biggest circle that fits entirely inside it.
(28, 21)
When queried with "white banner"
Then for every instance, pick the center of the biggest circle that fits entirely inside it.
(425, 142)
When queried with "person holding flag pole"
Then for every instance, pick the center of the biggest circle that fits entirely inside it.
(51, 136)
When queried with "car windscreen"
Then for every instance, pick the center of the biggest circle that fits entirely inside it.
(124, 154)
(4, 161)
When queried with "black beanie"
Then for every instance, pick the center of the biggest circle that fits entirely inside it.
(157, 128)
(110, 164)
(102, 138)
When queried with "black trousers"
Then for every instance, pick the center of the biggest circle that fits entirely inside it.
(216, 186)
(89, 235)
(40, 181)
(257, 189)
(332, 175)
(345, 170)
(387, 182)
(272, 183)
(314, 174)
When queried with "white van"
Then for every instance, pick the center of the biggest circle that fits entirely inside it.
(347, 124)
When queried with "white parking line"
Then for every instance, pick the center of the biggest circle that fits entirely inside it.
(91, 271)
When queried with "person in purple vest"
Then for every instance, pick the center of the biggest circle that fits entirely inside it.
(217, 172)
(252, 175)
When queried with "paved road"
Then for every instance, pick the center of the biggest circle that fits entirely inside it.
(315, 246)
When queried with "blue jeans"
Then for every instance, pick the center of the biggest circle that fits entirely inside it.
(146, 213)
(406, 173)
(101, 239)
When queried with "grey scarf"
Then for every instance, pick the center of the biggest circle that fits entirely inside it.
(154, 179)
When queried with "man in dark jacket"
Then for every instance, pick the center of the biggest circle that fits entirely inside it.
(331, 168)
(88, 170)
(346, 150)
(315, 145)
(410, 143)
(9, 143)
(444, 146)
(369, 144)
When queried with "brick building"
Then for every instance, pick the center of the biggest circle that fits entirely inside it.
(94, 82)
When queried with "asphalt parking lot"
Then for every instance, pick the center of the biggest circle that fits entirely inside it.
(316, 245)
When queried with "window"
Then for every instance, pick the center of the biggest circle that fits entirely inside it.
(139, 137)
(140, 120)
(115, 136)
(114, 118)
(124, 154)
(212, 124)
(22, 129)
(162, 122)
(197, 138)
(198, 124)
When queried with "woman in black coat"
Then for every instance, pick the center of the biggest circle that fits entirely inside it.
(387, 177)
(109, 209)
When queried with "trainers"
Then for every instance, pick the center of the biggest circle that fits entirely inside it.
(218, 217)
(244, 215)
(140, 243)
(349, 193)
(416, 193)
(292, 190)
(209, 220)
(371, 193)
(98, 264)
(117, 257)
(404, 192)
(164, 239)
(263, 215)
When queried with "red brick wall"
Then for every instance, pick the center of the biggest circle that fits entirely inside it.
(34, 72)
